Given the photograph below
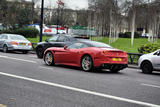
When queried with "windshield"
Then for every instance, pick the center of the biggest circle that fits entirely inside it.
(17, 37)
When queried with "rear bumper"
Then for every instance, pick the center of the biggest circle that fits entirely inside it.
(108, 63)
(20, 48)
(115, 66)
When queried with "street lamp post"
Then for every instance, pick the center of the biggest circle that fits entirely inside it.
(41, 24)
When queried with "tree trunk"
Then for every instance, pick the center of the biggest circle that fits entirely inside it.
(133, 27)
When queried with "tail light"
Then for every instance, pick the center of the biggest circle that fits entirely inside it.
(29, 44)
(124, 53)
(14, 43)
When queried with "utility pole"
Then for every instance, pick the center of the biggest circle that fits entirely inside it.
(41, 24)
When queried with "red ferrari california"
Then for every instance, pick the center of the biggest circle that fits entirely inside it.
(87, 55)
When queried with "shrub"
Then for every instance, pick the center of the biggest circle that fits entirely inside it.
(28, 32)
(128, 35)
(148, 48)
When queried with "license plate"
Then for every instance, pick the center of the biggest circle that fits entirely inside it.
(116, 59)
(22, 44)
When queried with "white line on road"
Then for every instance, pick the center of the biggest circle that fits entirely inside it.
(24, 60)
(45, 68)
(149, 85)
(82, 90)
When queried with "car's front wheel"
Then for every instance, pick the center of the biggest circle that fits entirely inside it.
(147, 67)
(39, 52)
(48, 58)
(87, 63)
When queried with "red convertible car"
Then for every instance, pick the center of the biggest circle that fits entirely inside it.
(87, 55)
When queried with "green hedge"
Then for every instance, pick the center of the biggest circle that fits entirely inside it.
(148, 48)
(28, 32)
(128, 35)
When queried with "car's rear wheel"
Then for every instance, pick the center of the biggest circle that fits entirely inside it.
(147, 67)
(48, 58)
(5, 48)
(87, 63)
(39, 52)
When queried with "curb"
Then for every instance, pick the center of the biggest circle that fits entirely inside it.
(133, 66)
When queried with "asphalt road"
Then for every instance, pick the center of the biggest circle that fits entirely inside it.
(26, 81)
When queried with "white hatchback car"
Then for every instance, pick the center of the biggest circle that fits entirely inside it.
(150, 62)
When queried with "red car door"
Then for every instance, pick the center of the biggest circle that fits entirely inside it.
(66, 56)
(71, 56)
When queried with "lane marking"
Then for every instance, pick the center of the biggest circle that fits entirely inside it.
(32, 56)
(81, 90)
(24, 60)
(149, 85)
(45, 68)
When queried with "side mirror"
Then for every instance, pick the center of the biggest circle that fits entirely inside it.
(46, 40)
(65, 47)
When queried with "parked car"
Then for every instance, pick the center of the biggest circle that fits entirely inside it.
(58, 40)
(14, 42)
(1, 27)
(87, 55)
(150, 62)
(145, 35)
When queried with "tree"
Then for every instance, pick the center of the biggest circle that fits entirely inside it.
(3, 10)
(17, 14)
(154, 20)
(25, 16)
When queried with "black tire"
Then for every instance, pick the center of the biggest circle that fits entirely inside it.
(5, 48)
(49, 59)
(87, 63)
(39, 52)
(147, 67)
(24, 52)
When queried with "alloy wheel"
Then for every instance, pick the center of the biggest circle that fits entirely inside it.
(87, 63)
(49, 58)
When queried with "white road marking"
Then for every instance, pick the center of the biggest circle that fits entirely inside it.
(24, 60)
(32, 56)
(45, 68)
(149, 85)
(82, 90)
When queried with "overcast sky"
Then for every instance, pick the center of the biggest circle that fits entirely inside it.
(73, 4)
